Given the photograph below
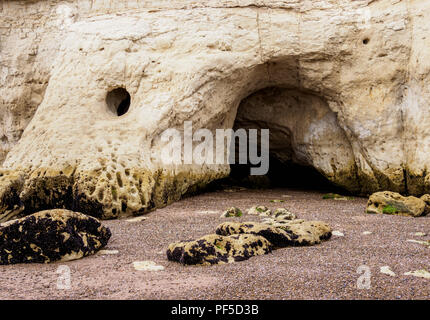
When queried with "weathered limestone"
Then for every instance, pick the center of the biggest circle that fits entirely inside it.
(294, 232)
(236, 241)
(232, 212)
(394, 203)
(343, 86)
(52, 235)
(216, 249)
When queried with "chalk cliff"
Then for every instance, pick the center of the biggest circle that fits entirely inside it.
(343, 85)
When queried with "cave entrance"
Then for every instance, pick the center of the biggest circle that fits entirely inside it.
(303, 133)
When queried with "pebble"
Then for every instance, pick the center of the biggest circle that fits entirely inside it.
(387, 270)
(136, 219)
(147, 266)
(420, 234)
(104, 252)
(366, 233)
(207, 211)
(337, 233)
(424, 243)
(418, 273)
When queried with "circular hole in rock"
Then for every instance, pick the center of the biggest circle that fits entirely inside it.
(366, 41)
(118, 101)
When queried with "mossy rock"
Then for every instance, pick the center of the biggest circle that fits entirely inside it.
(388, 202)
(232, 212)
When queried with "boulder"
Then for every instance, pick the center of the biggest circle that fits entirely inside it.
(394, 203)
(426, 199)
(217, 249)
(295, 232)
(51, 235)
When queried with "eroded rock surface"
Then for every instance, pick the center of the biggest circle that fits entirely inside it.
(291, 233)
(52, 235)
(343, 86)
(217, 249)
(238, 241)
(394, 203)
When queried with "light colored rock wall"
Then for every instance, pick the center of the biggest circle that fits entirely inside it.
(196, 60)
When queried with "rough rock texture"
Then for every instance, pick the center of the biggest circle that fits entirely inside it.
(393, 203)
(343, 86)
(52, 235)
(216, 249)
(232, 212)
(284, 214)
(295, 232)
(259, 210)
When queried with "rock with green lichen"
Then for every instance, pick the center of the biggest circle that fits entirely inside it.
(388, 202)
(259, 211)
(232, 212)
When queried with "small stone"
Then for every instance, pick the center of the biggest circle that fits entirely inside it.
(137, 219)
(387, 270)
(259, 210)
(232, 212)
(207, 211)
(147, 266)
(277, 200)
(418, 273)
(424, 243)
(284, 214)
(337, 233)
(420, 234)
(108, 252)
(365, 233)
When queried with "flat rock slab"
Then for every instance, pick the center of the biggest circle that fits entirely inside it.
(394, 203)
(51, 235)
(218, 249)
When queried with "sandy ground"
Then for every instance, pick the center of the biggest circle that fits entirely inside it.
(325, 271)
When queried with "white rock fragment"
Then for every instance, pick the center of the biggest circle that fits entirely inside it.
(424, 243)
(207, 211)
(147, 266)
(137, 219)
(365, 233)
(418, 273)
(387, 270)
(420, 234)
(108, 252)
(337, 233)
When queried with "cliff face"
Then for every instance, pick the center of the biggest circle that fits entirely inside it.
(358, 70)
